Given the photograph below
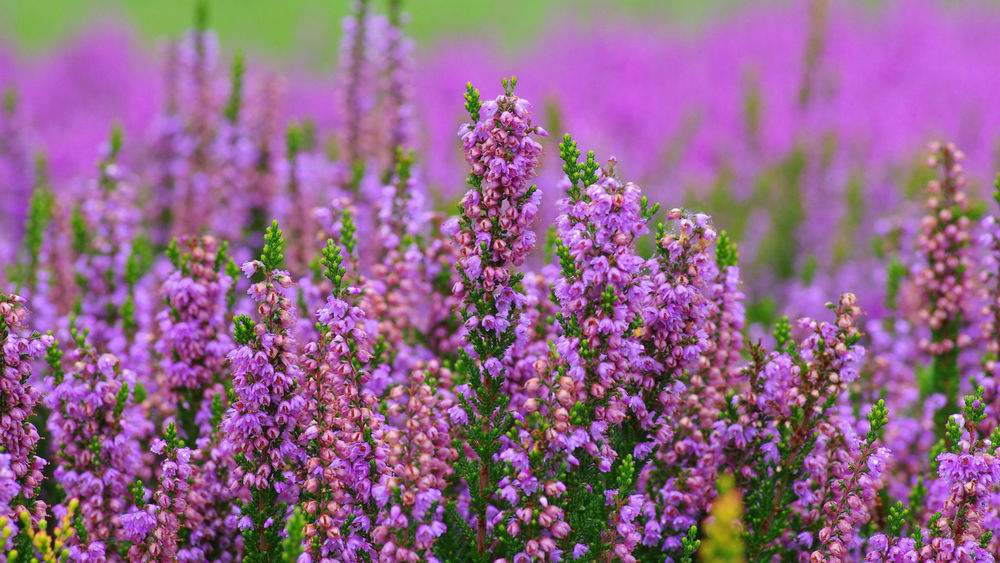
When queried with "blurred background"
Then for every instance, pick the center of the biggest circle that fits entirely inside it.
(801, 126)
(309, 30)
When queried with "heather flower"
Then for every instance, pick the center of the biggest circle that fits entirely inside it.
(856, 473)
(945, 280)
(348, 453)
(96, 427)
(990, 324)
(404, 273)
(601, 292)
(493, 236)
(189, 127)
(194, 327)
(689, 323)
(261, 422)
(398, 104)
(110, 260)
(154, 530)
(603, 286)
(418, 468)
(800, 383)
(22, 472)
(363, 45)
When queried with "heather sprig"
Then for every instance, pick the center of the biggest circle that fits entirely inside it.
(20, 468)
(194, 327)
(604, 285)
(154, 529)
(856, 476)
(96, 432)
(493, 236)
(801, 385)
(18, 399)
(945, 279)
(347, 449)
(262, 421)
(40, 214)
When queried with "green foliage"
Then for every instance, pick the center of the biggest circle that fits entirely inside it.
(170, 437)
(761, 311)
(233, 271)
(333, 269)
(127, 314)
(404, 167)
(291, 546)
(222, 255)
(235, 101)
(53, 357)
(691, 544)
(243, 329)
(509, 85)
(273, 255)
(218, 410)
(174, 254)
(40, 214)
(294, 140)
(9, 100)
(918, 494)
(261, 542)
(115, 142)
(783, 334)
(81, 530)
(201, 15)
(897, 519)
(726, 252)
(81, 233)
(580, 174)
(348, 232)
(975, 408)
(138, 492)
(646, 210)
(570, 155)
(896, 272)
(780, 188)
(139, 392)
(121, 400)
(472, 103)
(877, 419)
(139, 261)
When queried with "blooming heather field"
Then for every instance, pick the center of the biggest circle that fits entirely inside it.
(746, 309)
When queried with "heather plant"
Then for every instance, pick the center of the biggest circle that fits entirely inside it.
(387, 380)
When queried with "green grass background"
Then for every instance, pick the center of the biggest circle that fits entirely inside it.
(310, 29)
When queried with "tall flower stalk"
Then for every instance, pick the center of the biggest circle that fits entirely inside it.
(195, 331)
(945, 279)
(494, 236)
(267, 411)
